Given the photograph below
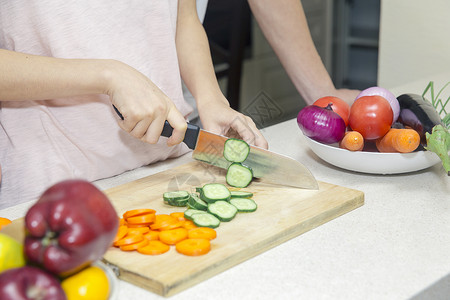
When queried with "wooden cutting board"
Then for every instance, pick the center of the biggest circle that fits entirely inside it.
(282, 212)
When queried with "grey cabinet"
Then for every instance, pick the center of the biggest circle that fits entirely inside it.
(356, 31)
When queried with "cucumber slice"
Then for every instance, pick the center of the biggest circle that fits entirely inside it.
(239, 175)
(235, 150)
(175, 195)
(176, 198)
(205, 219)
(241, 194)
(212, 192)
(191, 211)
(223, 210)
(244, 204)
(197, 203)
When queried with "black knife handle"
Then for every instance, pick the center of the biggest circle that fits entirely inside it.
(190, 138)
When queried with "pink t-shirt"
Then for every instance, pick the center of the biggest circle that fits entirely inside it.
(43, 142)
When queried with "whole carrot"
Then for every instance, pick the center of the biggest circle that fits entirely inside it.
(399, 140)
(353, 141)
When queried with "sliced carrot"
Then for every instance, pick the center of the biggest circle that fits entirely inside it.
(171, 226)
(135, 246)
(353, 141)
(173, 236)
(141, 219)
(399, 140)
(142, 230)
(154, 248)
(4, 222)
(178, 215)
(122, 221)
(137, 225)
(121, 232)
(138, 212)
(193, 247)
(188, 224)
(163, 221)
(129, 239)
(152, 235)
(202, 233)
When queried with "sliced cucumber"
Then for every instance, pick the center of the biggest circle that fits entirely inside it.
(191, 211)
(176, 198)
(235, 150)
(212, 192)
(175, 195)
(223, 210)
(241, 194)
(239, 175)
(205, 219)
(197, 203)
(244, 204)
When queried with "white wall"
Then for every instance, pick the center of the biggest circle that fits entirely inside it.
(414, 40)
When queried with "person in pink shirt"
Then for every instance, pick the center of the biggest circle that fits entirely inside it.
(65, 64)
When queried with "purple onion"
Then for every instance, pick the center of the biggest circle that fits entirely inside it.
(379, 91)
(321, 124)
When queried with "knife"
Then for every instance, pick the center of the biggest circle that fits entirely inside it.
(268, 166)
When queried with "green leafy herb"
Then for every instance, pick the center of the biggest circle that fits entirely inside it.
(437, 102)
(439, 142)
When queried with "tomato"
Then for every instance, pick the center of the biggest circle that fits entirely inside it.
(89, 283)
(371, 116)
(338, 105)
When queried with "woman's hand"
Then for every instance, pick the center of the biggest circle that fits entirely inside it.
(143, 105)
(218, 117)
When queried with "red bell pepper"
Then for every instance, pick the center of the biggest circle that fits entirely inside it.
(71, 225)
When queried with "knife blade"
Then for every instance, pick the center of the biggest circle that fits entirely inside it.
(268, 166)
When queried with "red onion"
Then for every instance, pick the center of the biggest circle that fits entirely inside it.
(379, 91)
(321, 124)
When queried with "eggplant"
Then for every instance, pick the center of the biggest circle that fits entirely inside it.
(418, 113)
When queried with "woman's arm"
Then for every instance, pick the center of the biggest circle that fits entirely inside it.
(143, 105)
(198, 74)
(284, 24)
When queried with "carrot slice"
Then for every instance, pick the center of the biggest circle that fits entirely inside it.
(129, 239)
(171, 226)
(193, 247)
(4, 222)
(135, 246)
(173, 236)
(122, 221)
(188, 224)
(137, 225)
(138, 212)
(154, 248)
(202, 233)
(121, 232)
(163, 221)
(178, 215)
(152, 235)
(142, 230)
(141, 219)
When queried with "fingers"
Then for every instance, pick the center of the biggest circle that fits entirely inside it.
(179, 125)
(246, 128)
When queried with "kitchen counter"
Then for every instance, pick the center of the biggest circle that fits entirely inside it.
(396, 246)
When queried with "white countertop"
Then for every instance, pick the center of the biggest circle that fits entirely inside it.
(396, 246)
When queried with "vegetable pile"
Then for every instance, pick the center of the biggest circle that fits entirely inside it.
(378, 120)
(71, 226)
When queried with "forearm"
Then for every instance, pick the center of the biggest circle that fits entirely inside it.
(31, 77)
(194, 56)
(283, 23)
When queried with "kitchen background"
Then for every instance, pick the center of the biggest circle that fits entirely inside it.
(362, 43)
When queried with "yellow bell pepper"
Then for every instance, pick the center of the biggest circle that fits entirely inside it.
(11, 253)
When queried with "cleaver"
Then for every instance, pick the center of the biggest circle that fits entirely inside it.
(267, 166)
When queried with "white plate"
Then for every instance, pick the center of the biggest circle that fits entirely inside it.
(113, 281)
(373, 162)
